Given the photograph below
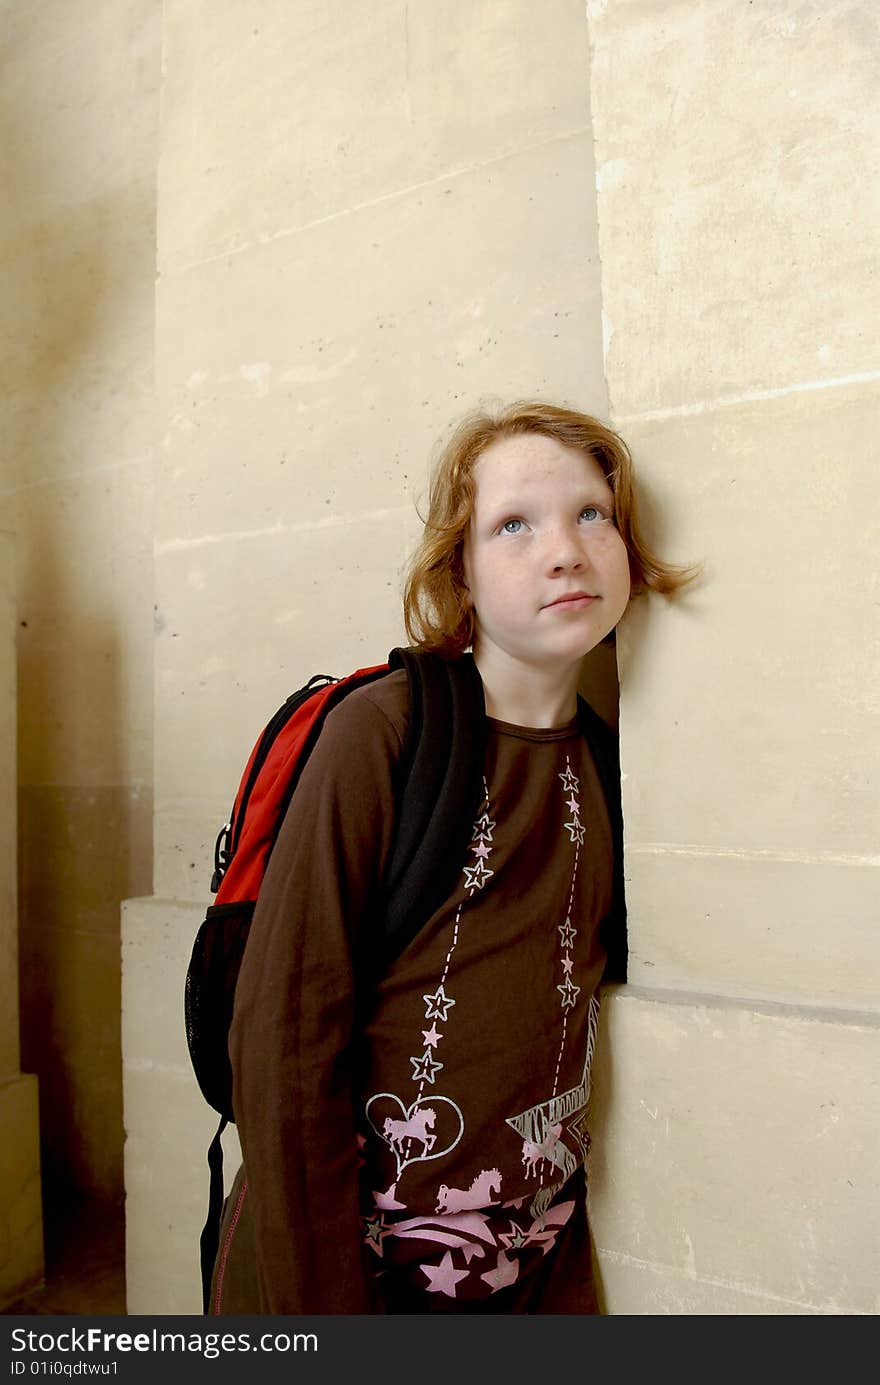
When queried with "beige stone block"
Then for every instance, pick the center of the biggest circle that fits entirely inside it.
(82, 85)
(332, 107)
(168, 1130)
(21, 1217)
(738, 230)
(224, 666)
(802, 931)
(186, 831)
(748, 709)
(736, 1154)
(157, 940)
(310, 378)
(168, 1124)
(85, 632)
(8, 812)
(639, 1290)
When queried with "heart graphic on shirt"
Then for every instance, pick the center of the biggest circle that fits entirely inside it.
(428, 1129)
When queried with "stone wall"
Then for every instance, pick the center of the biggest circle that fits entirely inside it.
(738, 234)
(77, 228)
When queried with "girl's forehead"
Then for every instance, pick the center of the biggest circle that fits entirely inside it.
(533, 462)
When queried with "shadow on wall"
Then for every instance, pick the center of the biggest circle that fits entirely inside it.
(84, 836)
(82, 850)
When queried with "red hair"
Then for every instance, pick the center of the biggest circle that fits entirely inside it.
(435, 606)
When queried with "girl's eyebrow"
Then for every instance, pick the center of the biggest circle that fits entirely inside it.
(589, 494)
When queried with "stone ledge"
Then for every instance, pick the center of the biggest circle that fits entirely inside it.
(735, 1156)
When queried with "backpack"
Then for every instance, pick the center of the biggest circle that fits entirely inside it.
(438, 790)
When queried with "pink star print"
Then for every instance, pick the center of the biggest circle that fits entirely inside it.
(425, 1068)
(374, 1230)
(572, 803)
(477, 876)
(505, 1272)
(567, 964)
(431, 1036)
(567, 933)
(444, 1278)
(569, 993)
(481, 849)
(514, 1238)
(483, 828)
(437, 1005)
(387, 1201)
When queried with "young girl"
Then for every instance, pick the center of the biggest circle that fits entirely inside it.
(424, 1152)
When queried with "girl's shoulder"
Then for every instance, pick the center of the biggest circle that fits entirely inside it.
(377, 708)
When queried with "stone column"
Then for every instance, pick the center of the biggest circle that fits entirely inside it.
(738, 228)
(21, 1226)
(365, 227)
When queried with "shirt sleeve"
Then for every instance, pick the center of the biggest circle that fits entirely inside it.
(293, 1037)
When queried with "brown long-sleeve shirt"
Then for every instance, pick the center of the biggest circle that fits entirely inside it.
(417, 1145)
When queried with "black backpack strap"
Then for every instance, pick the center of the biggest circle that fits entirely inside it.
(606, 754)
(439, 789)
(210, 1237)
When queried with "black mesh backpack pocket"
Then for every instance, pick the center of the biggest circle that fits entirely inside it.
(209, 997)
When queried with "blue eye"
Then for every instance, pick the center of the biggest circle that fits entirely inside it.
(592, 513)
(511, 526)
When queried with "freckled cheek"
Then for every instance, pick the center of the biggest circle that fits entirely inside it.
(501, 592)
(610, 559)
(613, 551)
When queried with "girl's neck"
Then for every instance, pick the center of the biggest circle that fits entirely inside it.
(525, 694)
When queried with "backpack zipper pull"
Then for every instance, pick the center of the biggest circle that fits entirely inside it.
(222, 856)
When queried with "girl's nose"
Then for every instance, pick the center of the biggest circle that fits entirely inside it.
(566, 554)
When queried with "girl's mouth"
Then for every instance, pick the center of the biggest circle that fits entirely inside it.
(574, 601)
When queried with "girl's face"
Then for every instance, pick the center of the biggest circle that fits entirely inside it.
(547, 571)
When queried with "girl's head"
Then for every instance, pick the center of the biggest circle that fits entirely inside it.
(438, 609)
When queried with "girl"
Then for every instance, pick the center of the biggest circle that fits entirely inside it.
(424, 1152)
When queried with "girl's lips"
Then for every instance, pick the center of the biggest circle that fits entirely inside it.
(576, 602)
